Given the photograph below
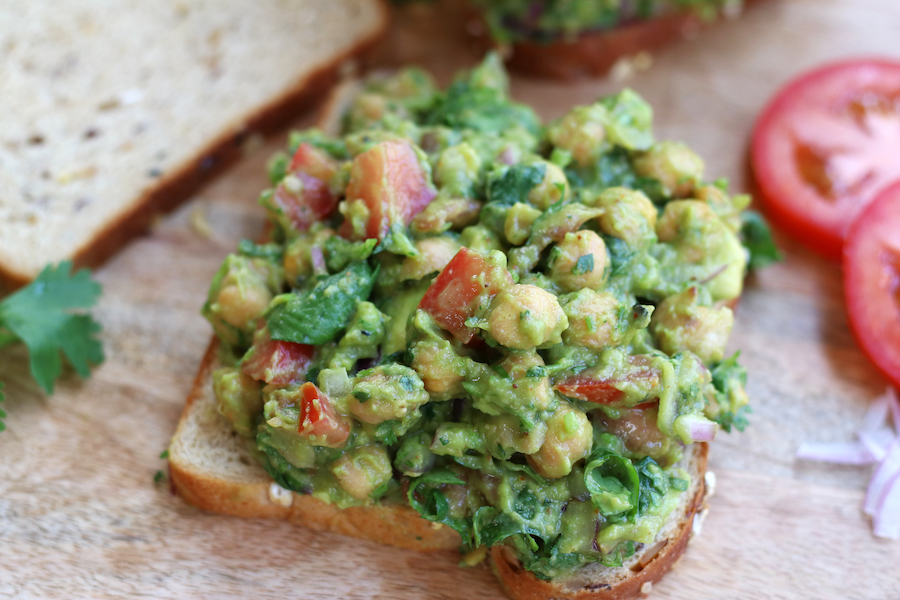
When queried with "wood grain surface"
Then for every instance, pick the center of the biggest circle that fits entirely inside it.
(80, 515)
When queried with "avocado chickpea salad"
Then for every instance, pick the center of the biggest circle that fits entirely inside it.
(513, 328)
(545, 21)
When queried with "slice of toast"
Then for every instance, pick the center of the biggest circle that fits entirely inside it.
(115, 110)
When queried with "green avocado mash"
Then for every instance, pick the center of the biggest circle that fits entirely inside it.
(545, 21)
(513, 328)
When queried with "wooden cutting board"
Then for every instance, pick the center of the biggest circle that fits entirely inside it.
(80, 515)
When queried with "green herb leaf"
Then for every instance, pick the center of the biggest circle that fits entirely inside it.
(514, 184)
(159, 477)
(653, 487)
(164, 454)
(272, 252)
(316, 316)
(584, 264)
(425, 497)
(614, 485)
(48, 317)
(757, 238)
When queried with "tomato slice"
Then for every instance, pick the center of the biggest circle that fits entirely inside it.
(392, 185)
(318, 418)
(591, 386)
(825, 146)
(277, 362)
(872, 281)
(304, 199)
(466, 283)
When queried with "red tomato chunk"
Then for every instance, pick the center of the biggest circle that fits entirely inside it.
(319, 419)
(466, 283)
(277, 362)
(304, 199)
(392, 185)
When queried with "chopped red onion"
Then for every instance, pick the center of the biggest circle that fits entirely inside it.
(850, 453)
(877, 441)
(884, 475)
(703, 430)
(876, 414)
(887, 514)
(318, 261)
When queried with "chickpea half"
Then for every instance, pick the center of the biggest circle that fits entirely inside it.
(673, 164)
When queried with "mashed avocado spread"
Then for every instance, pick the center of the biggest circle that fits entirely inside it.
(514, 328)
(547, 21)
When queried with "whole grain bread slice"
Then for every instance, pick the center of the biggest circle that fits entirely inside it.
(115, 110)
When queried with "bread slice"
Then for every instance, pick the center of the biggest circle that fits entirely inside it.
(593, 54)
(215, 469)
(115, 110)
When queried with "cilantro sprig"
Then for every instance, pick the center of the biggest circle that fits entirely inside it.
(49, 316)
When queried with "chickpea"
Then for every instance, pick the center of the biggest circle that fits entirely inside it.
(701, 237)
(438, 366)
(434, 254)
(729, 209)
(593, 319)
(456, 171)
(552, 189)
(241, 304)
(538, 389)
(362, 470)
(480, 239)
(674, 165)
(385, 393)
(503, 436)
(368, 107)
(525, 316)
(519, 219)
(629, 215)
(568, 440)
(680, 323)
(446, 213)
(579, 261)
(582, 132)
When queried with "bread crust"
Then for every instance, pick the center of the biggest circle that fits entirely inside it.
(178, 185)
(394, 525)
(521, 584)
(593, 54)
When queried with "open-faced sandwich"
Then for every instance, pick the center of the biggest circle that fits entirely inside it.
(574, 38)
(470, 330)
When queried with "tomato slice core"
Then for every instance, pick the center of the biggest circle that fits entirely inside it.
(825, 146)
(872, 281)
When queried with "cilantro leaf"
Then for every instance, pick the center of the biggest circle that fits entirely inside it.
(47, 316)
(757, 238)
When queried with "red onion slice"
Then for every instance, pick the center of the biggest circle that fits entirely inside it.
(850, 453)
(884, 474)
(887, 514)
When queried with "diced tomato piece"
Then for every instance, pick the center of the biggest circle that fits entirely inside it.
(277, 362)
(467, 282)
(319, 419)
(313, 161)
(304, 199)
(392, 184)
(593, 387)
